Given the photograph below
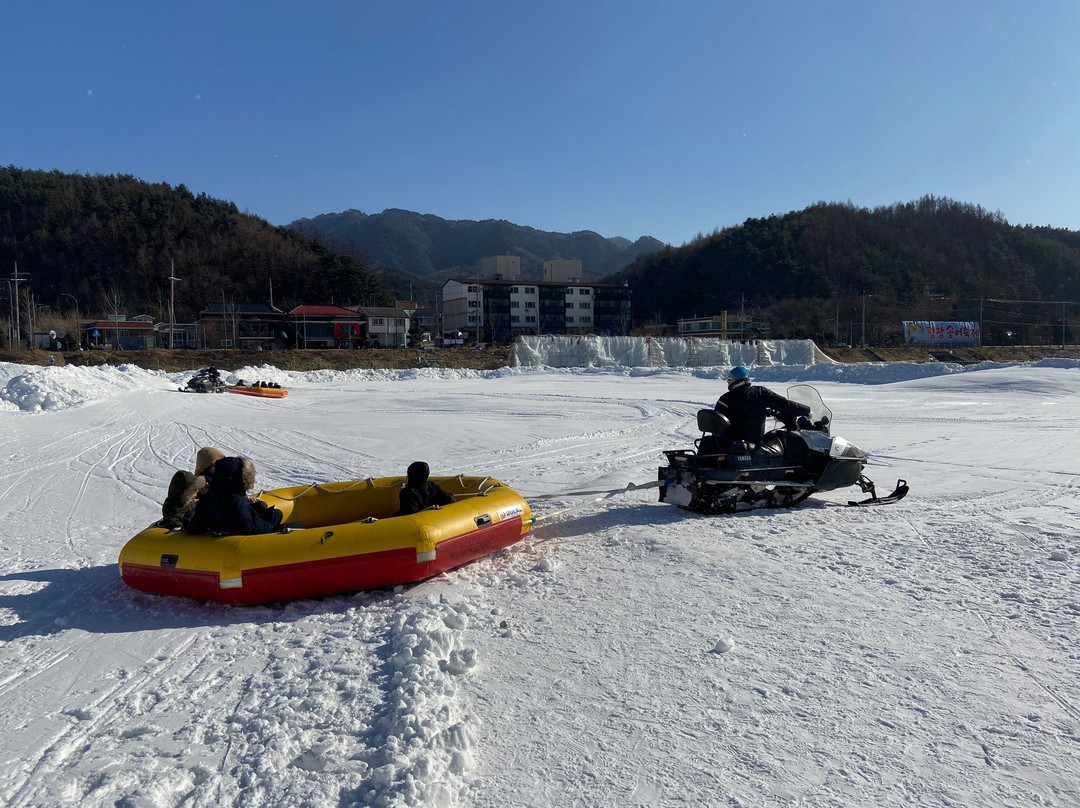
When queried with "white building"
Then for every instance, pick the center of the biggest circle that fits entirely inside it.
(387, 326)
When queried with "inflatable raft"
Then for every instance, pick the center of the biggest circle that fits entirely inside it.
(337, 550)
(258, 390)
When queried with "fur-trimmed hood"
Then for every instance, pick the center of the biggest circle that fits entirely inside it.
(234, 474)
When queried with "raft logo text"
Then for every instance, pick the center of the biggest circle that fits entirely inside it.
(510, 513)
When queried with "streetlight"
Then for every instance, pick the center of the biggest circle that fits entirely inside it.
(18, 324)
(78, 323)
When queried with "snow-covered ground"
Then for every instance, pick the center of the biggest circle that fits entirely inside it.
(626, 653)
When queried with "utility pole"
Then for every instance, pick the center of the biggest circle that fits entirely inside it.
(1062, 322)
(863, 342)
(479, 305)
(18, 321)
(172, 300)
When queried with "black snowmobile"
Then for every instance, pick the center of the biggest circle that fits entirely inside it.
(720, 475)
(207, 380)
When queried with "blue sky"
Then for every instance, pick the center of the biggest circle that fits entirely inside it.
(628, 118)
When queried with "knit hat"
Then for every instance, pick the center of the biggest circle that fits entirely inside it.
(738, 377)
(206, 457)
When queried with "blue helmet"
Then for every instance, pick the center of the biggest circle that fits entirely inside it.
(738, 374)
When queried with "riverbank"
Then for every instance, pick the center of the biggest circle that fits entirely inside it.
(465, 358)
(300, 360)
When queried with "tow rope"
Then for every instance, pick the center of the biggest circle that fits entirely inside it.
(605, 494)
(610, 493)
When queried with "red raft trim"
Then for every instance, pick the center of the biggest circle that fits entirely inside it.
(329, 576)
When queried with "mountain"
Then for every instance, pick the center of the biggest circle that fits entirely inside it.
(435, 249)
(111, 242)
(824, 271)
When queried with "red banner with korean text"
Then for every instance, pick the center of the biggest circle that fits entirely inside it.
(938, 332)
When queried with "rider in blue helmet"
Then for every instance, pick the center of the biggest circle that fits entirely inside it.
(738, 374)
(747, 406)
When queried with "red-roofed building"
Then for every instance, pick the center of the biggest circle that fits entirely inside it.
(327, 327)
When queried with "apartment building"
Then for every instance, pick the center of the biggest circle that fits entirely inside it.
(498, 310)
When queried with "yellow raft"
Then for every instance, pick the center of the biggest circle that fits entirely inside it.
(337, 550)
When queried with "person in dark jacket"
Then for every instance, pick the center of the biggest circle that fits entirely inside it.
(419, 493)
(747, 406)
(179, 505)
(226, 506)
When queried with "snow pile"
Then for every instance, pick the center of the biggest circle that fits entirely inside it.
(38, 389)
(29, 392)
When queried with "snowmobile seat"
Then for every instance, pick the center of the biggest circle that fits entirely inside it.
(713, 424)
(712, 421)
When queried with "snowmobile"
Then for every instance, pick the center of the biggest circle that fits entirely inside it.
(720, 475)
(207, 380)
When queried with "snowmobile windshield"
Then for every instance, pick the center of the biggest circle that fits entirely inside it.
(805, 394)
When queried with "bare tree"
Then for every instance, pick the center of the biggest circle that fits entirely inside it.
(231, 313)
(28, 307)
(114, 308)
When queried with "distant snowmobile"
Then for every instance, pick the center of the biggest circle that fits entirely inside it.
(207, 380)
(724, 476)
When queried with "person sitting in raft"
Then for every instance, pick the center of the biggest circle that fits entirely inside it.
(419, 493)
(226, 506)
(179, 506)
(205, 459)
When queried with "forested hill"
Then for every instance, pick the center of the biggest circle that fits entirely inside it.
(99, 237)
(429, 247)
(934, 257)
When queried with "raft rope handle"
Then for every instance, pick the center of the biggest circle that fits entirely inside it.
(320, 487)
(480, 492)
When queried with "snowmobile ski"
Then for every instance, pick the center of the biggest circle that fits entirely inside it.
(898, 494)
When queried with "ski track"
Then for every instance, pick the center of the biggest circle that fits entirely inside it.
(317, 723)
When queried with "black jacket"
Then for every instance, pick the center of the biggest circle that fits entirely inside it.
(419, 493)
(747, 406)
(226, 507)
